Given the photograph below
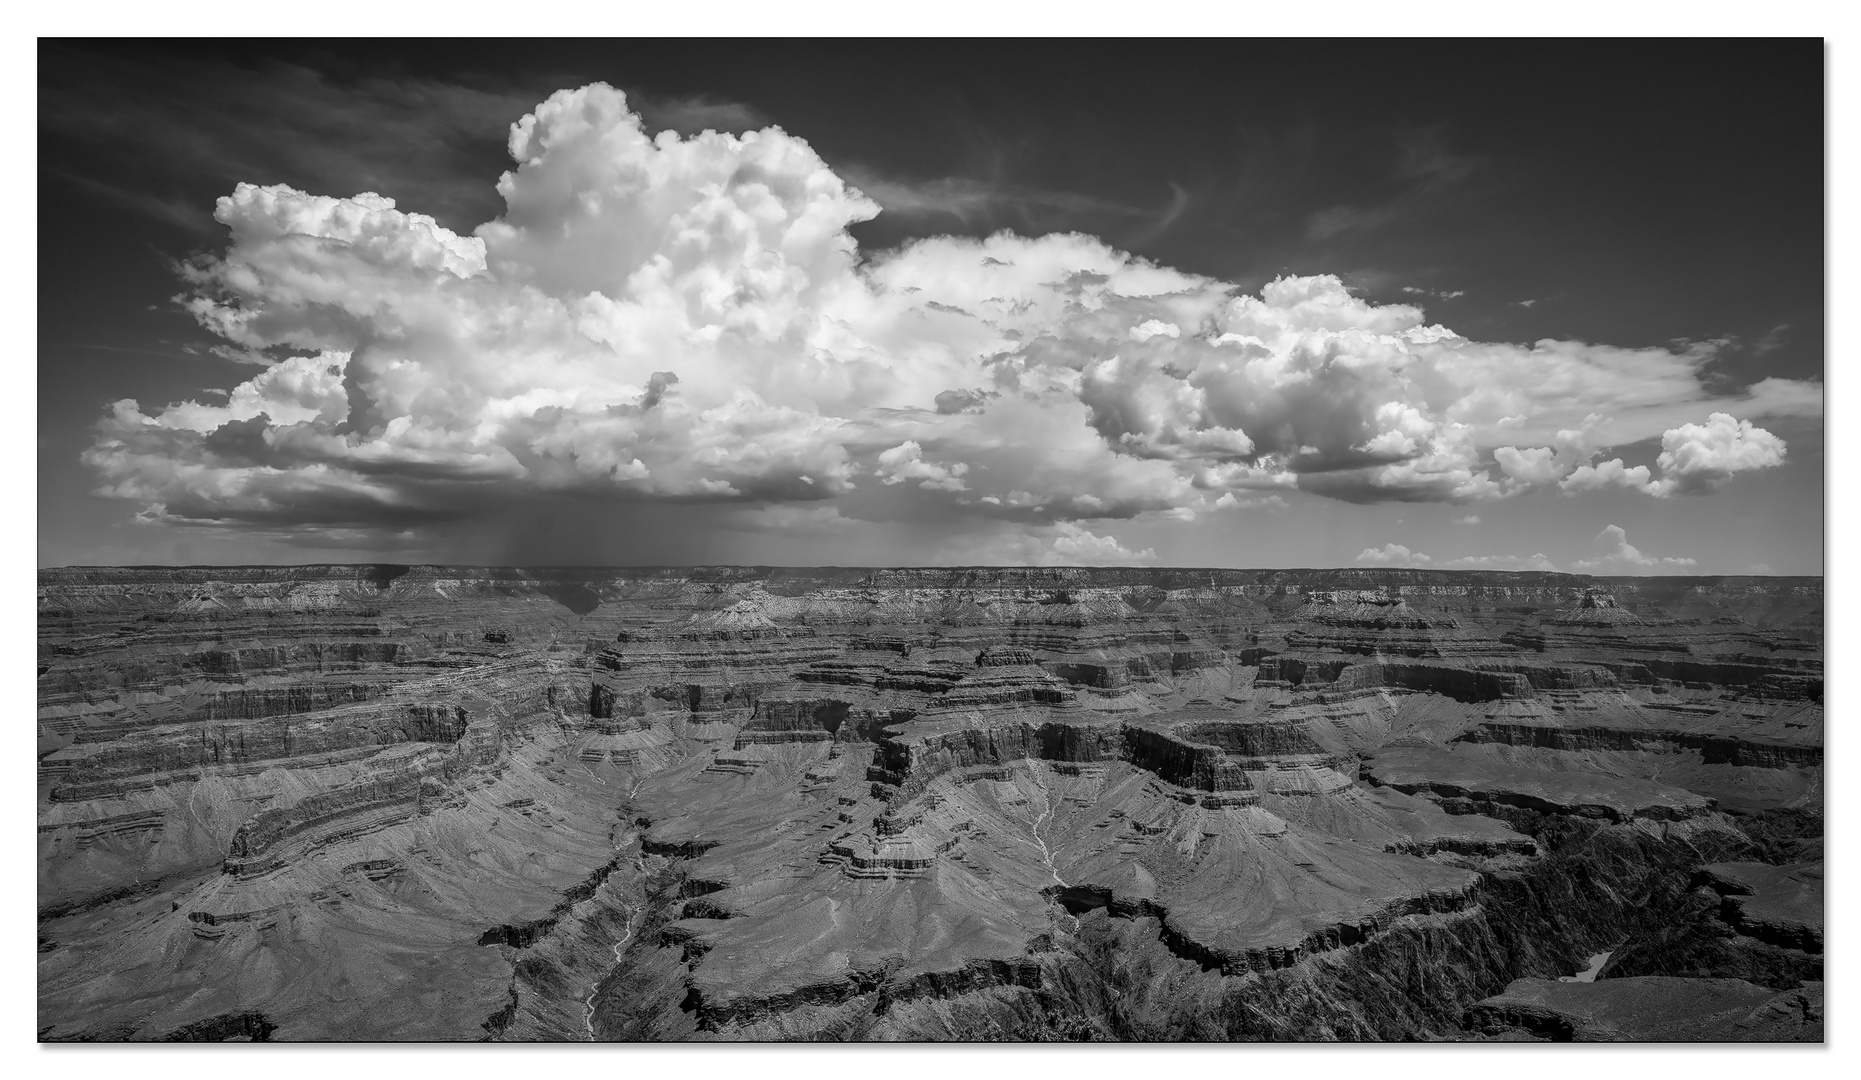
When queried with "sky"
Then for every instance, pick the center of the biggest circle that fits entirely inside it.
(1530, 305)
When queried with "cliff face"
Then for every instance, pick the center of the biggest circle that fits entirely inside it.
(760, 802)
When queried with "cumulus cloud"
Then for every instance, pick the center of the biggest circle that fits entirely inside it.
(1230, 501)
(1392, 555)
(1607, 474)
(1470, 519)
(1695, 458)
(1615, 555)
(1399, 555)
(688, 317)
(906, 462)
(1064, 543)
(1074, 546)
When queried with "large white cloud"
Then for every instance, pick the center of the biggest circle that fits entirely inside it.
(662, 317)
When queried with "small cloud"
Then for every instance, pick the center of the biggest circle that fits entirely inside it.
(1148, 329)
(1615, 555)
(1064, 543)
(1470, 519)
(1607, 474)
(1230, 501)
(1523, 303)
(1326, 224)
(1074, 546)
(906, 462)
(1536, 561)
(1772, 340)
(1392, 555)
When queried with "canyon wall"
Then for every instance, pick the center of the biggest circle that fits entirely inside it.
(731, 802)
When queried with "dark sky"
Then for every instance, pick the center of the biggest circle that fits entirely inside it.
(1633, 194)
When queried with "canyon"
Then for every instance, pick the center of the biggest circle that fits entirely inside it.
(348, 802)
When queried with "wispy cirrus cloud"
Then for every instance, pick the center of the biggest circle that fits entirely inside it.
(1336, 220)
(1424, 169)
(178, 123)
(1773, 339)
(168, 209)
(691, 114)
(1169, 216)
(981, 202)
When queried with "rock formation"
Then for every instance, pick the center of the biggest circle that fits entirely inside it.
(458, 803)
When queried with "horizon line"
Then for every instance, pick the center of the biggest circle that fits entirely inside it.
(879, 568)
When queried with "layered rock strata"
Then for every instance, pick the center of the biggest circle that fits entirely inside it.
(433, 802)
